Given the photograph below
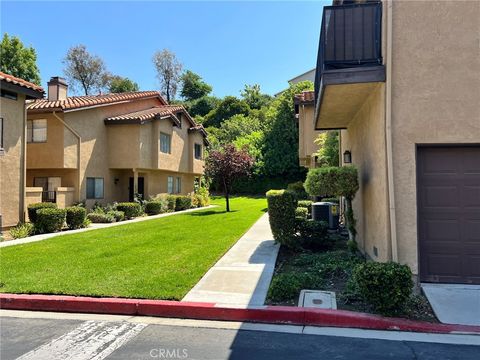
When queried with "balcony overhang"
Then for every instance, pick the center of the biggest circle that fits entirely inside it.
(341, 94)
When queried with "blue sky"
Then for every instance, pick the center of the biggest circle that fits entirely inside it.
(228, 43)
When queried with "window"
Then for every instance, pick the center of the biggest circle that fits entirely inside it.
(179, 185)
(37, 130)
(198, 151)
(94, 188)
(165, 143)
(170, 185)
(1, 133)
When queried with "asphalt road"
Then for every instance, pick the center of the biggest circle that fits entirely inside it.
(38, 338)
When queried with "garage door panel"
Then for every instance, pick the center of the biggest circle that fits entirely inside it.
(448, 208)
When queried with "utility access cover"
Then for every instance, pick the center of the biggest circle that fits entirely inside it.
(317, 299)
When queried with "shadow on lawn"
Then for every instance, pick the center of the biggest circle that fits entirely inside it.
(210, 212)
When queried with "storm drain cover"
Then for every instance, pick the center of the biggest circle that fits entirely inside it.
(317, 299)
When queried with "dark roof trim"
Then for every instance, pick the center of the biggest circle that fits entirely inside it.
(29, 93)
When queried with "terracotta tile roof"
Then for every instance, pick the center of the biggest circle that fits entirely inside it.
(144, 116)
(20, 82)
(305, 97)
(78, 102)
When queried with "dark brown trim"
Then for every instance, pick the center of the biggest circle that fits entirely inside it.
(29, 93)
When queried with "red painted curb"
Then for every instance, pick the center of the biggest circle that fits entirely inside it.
(208, 311)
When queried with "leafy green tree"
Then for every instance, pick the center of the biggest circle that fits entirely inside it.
(253, 144)
(202, 106)
(18, 60)
(237, 126)
(84, 70)
(329, 148)
(119, 84)
(254, 97)
(228, 107)
(281, 140)
(193, 87)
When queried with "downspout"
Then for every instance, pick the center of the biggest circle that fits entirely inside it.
(79, 140)
(388, 135)
(24, 164)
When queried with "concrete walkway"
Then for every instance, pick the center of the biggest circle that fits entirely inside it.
(242, 276)
(454, 304)
(93, 226)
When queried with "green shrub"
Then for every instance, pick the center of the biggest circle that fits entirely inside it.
(156, 207)
(50, 220)
(314, 235)
(98, 217)
(281, 212)
(75, 217)
(306, 204)
(298, 189)
(130, 209)
(22, 230)
(385, 286)
(117, 215)
(204, 193)
(183, 202)
(171, 201)
(286, 286)
(32, 209)
(301, 212)
(335, 200)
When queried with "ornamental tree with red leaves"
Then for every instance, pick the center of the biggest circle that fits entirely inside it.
(226, 165)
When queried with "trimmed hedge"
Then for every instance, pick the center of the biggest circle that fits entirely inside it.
(301, 212)
(156, 207)
(102, 218)
(385, 286)
(75, 217)
(286, 286)
(281, 212)
(298, 189)
(314, 235)
(307, 204)
(183, 202)
(50, 220)
(32, 209)
(130, 209)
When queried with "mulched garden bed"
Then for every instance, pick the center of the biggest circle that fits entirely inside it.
(330, 271)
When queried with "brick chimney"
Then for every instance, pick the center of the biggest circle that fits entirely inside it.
(57, 88)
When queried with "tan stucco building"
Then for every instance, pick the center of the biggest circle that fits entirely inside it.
(108, 148)
(401, 79)
(14, 93)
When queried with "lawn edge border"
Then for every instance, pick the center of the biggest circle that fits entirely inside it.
(209, 311)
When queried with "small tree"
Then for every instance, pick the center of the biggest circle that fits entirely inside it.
(85, 70)
(18, 60)
(335, 181)
(168, 72)
(226, 165)
(329, 148)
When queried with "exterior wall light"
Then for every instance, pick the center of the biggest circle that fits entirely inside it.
(347, 157)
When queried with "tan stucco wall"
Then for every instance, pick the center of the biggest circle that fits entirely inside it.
(49, 154)
(307, 134)
(65, 197)
(436, 94)
(365, 138)
(12, 160)
(33, 195)
(196, 166)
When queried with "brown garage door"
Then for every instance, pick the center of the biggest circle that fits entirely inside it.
(449, 214)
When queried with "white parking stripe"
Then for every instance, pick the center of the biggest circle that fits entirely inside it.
(93, 340)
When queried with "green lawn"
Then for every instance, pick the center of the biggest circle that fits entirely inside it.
(156, 259)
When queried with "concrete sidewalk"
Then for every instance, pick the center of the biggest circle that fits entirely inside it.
(242, 276)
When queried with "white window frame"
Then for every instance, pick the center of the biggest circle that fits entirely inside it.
(98, 186)
(200, 157)
(178, 184)
(170, 184)
(32, 130)
(169, 143)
